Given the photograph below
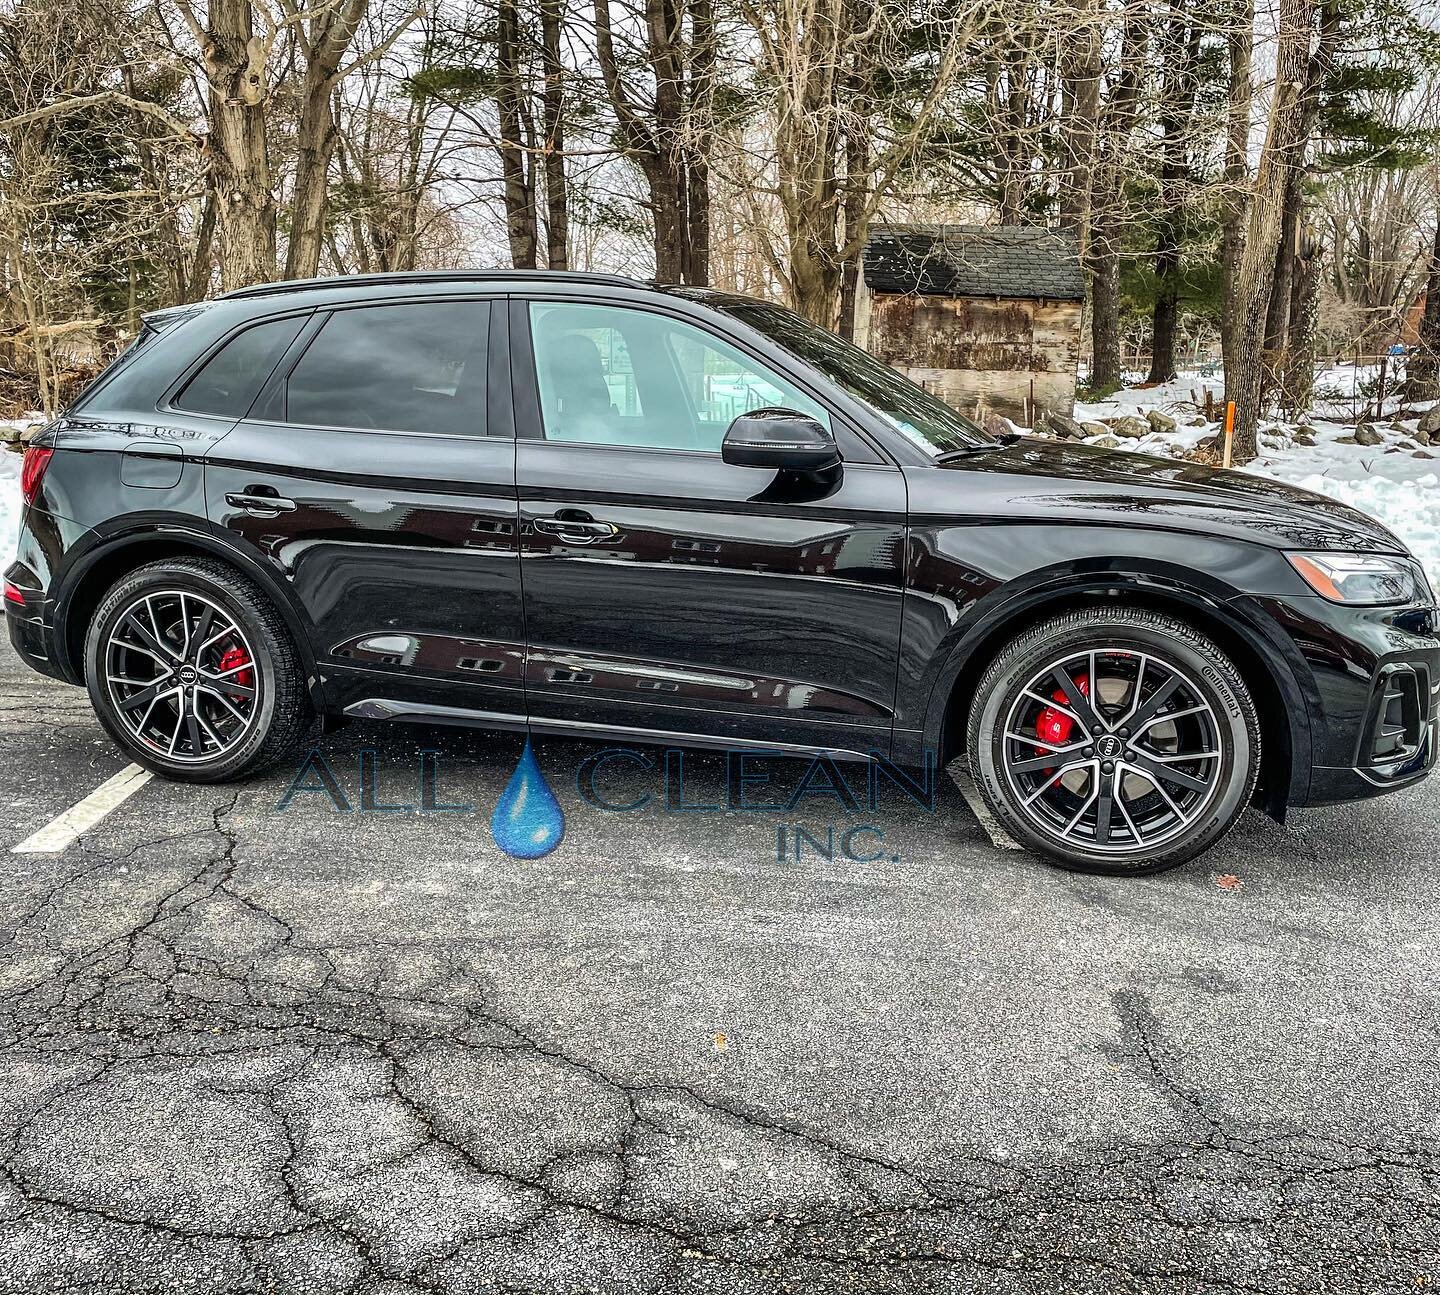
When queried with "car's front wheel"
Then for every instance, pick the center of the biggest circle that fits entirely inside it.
(1114, 740)
(192, 671)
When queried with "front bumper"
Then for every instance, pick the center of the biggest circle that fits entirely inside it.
(1373, 695)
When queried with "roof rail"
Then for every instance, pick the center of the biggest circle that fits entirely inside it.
(424, 276)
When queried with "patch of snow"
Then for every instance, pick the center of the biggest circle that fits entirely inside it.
(9, 505)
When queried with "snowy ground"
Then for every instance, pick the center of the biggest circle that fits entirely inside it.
(1397, 481)
(9, 504)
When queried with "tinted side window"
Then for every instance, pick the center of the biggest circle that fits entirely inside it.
(615, 376)
(233, 376)
(415, 368)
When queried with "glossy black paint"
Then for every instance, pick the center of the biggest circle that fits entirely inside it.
(498, 578)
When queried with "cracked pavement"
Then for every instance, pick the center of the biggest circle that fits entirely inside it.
(250, 1051)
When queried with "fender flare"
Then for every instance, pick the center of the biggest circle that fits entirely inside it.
(206, 542)
(1013, 608)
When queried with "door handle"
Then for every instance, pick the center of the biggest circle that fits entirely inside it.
(255, 502)
(575, 525)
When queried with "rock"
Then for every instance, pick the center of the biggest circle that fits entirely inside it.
(1130, 427)
(1367, 435)
(1422, 437)
(1106, 443)
(1430, 420)
(1064, 427)
(1201, 421)
(1305, 438)
(31, 432)
(1422, 454)
(1160, 422)
(1095, 429)
(1346, 440)
(10, 435)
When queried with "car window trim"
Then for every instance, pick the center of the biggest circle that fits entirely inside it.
(529, 422)
(280, 377)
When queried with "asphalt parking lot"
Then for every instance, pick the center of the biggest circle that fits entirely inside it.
(310, 1051)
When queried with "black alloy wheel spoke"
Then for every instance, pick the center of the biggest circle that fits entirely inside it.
(1111, 769)
(163, 672)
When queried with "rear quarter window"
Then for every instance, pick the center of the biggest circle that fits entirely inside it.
(230, 379)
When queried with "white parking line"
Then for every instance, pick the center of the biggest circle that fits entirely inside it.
(62, 830)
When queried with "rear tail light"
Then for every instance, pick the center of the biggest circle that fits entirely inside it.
(14, 594)
(32, 471)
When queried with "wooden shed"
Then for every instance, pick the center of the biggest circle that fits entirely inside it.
(976, 313)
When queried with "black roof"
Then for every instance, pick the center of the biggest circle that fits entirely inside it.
(974, 261)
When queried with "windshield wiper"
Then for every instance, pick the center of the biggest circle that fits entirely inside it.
(970, 451)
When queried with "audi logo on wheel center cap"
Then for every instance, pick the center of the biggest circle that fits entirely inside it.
(188, 674)
(1108, 747)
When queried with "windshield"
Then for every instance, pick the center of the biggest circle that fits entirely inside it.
(924, 419)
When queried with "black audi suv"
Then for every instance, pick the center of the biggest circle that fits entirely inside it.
(583, 505)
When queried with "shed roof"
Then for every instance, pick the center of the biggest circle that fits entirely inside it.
(974, 261)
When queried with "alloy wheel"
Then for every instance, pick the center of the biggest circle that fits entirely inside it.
(182, 676)
(1112, 750)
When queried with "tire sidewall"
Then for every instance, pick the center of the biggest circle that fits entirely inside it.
(1239, 741)
(188, 580)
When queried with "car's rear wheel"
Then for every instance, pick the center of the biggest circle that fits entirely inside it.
(192, 671)
(1114, 740)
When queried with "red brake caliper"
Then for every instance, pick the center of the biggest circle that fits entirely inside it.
(1054, 727)
(237, 656)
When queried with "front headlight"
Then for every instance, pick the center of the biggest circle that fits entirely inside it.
(1360, 579)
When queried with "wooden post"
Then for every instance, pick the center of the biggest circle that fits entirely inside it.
(1229, 432)
(1032, 404)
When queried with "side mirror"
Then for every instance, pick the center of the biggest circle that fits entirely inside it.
(779, 439)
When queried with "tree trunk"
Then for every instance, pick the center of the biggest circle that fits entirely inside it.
(1108, 211)
(1422, 375)
(1164, 326)
(857, 172)
(1182, 52)
(237, 148)
(520, 220)
(1083, 72)
(314, 144)
(1106, 361)
(1297, 375)
(1240, 40)
(557, 198)
(669, 184)
(700, 134)
(198, 284)
(1282, 151)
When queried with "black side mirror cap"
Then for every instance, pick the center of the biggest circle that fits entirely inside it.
(780, 439)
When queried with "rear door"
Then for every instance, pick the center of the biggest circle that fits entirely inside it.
(669, 591)
(375, 470)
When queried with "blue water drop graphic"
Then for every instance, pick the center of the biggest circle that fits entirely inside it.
(528, 822)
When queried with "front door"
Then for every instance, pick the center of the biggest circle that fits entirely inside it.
(668, 591)
(376, 470)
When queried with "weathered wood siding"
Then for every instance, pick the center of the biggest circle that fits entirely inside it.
(971, 350)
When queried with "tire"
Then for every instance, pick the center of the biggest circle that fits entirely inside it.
(142, 684)
(1168, 698)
